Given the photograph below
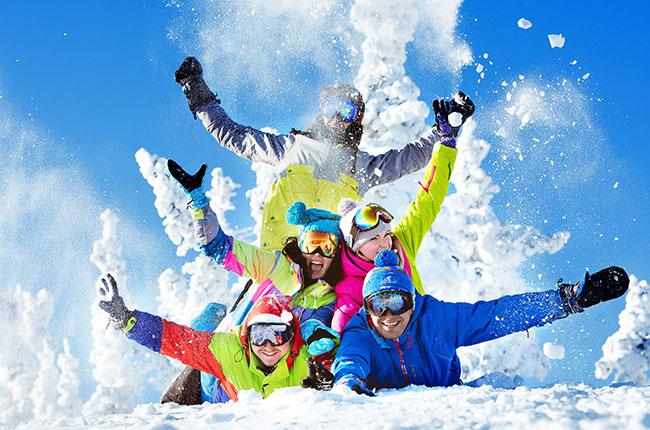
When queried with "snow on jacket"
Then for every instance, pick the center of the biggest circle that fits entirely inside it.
(227, 356)
(425, 354)
(407, 237)
(317, 173)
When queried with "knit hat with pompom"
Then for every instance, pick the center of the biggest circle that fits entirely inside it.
(387, 276)
(353, 237)
(314, 219)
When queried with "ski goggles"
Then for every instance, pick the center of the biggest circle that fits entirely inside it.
(368, 217)
(345, 109)
(397, 302)
(277, 334)
(313, 241)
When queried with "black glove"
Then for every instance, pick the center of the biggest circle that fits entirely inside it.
(191, 185)
(113, 304)
(602, 286)
(462, 104)
(187, 182)
(190, 76)
(319, 377)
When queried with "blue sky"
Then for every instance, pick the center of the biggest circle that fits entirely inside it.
(84, 85)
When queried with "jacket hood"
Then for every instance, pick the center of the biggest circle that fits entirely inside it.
(273, 309)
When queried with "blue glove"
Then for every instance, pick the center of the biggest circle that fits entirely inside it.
(210, 317)
(191, 185)
(602, 286)
(356, 385)
(318, 337)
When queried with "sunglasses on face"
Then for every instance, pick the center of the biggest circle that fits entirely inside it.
(277, 334)
(326, 244)
(395, 301)
(368, 217)
(345, 109)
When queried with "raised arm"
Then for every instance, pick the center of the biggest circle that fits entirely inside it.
(395, 163)
(247, 142)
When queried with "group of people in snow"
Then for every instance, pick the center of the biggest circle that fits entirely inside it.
(335, 297)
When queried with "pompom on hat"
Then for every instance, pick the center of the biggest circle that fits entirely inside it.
(354, 238)
(314, 219)
(387, 276)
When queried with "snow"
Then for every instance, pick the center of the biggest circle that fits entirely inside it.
(553, 351)
(524, 23)
(468, 247)
(556, 40)
(560, 406)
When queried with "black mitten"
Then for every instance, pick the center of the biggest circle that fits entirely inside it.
(462, 104)
(319, 377)
(190, 76)
(602, 286)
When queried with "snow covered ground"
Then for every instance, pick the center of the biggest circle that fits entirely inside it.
(561, 406)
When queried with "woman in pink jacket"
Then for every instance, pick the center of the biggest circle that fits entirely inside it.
(367, 227)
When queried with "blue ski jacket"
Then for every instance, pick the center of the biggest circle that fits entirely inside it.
(425, 354)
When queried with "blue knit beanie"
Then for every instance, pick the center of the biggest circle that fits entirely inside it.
(314, 219)
(387, 276)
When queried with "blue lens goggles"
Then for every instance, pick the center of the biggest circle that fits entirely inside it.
(345, 109)
(395, 301)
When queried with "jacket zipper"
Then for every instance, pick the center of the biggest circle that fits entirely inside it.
(401, 359)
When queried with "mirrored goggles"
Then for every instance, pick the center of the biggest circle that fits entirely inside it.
(396, 301)
(345, 109)
(277, 334)
(368, 217)
(313, 241)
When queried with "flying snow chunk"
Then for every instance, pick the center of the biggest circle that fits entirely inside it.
(524, 23)
(455, 119)
(553, 351)
(557, 40)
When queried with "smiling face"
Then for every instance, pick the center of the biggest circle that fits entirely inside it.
(369, 250)
(392, 326)
(317, 265)
(270, 354)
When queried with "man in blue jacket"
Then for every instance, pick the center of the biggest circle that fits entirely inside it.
(400, 338)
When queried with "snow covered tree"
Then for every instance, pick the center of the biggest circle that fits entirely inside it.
(119, 380)
(625, 353)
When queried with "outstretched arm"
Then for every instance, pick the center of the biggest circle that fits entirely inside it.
(247, 142)
(484, 321)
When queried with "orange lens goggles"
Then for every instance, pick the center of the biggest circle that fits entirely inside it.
(313, 240)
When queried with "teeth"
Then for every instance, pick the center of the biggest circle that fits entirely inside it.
(390, 324)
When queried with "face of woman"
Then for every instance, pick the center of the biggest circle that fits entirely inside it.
(369, 250)
(317, 265)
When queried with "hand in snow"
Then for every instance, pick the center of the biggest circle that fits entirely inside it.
(112, 303)
(357, 386)
(602, 286)
(319, 377)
